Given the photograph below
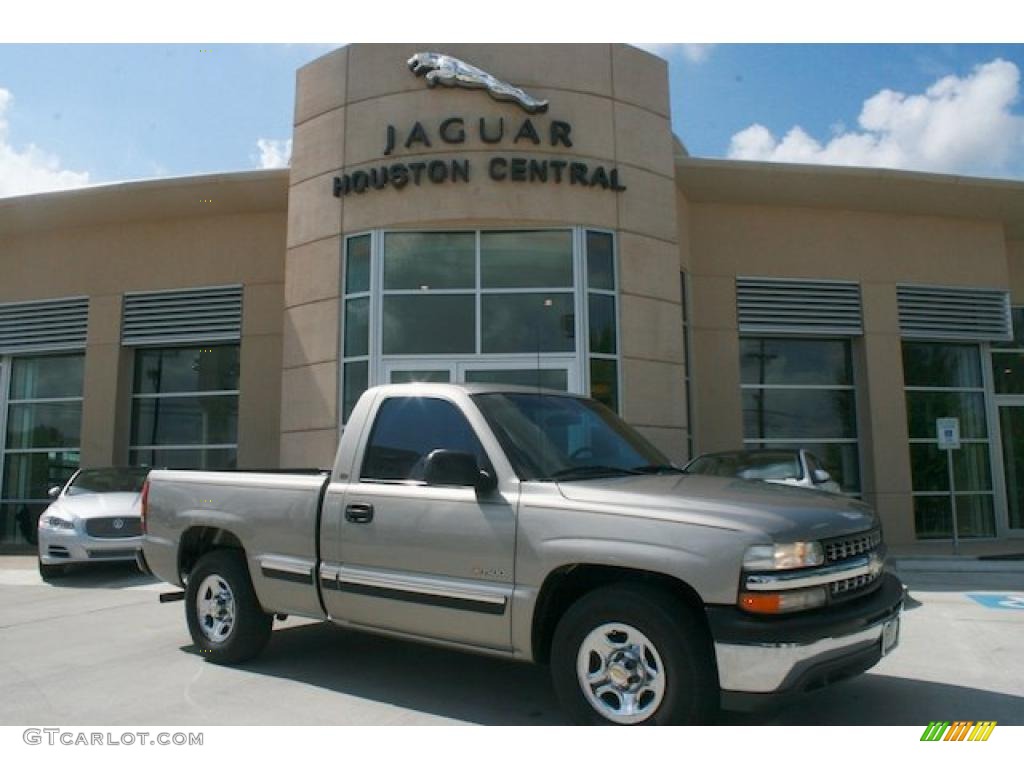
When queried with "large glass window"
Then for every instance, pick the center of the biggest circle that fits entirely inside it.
(800, 393)
(430, 261)
(601, 318)
(527, 322)
(526, 259)
(945, 380)
(356, 339)
(42, 438)
(1008, 359)
(185, 407)
(1011, 426)
(447, 305)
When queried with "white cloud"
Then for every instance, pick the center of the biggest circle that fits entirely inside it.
(958, 125)
(695, 52)
(30, 169)
(274, 153)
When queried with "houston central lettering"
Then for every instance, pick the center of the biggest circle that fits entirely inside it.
(501, 169)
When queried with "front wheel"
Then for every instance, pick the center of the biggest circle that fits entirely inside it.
(633, 655)
(224, 617)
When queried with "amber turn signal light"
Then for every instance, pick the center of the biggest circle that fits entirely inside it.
(782, 602)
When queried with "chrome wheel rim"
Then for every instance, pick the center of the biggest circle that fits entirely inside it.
(215, 608)
(621, 673)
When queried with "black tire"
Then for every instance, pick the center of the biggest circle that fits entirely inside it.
(250, 629)
(49, 572)
(690, 694)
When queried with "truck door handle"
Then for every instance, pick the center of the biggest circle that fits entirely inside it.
(359, 513)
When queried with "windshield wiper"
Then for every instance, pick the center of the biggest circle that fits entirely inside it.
(590, 470)
(654, 469)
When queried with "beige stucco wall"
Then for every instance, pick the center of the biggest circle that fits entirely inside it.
(878, 250)
(104, 261)
(1015, 260)
(615, 97)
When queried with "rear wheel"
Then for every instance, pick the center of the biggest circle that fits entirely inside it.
(224, 617)
(633, 655)
(48, 572)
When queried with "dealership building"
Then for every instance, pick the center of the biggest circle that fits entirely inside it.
(541, 226)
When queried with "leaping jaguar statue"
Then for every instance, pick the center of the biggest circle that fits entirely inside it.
(439, 68)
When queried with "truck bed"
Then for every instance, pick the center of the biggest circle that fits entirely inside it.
(273, 514)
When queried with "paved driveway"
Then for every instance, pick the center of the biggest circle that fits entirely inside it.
(100, 650)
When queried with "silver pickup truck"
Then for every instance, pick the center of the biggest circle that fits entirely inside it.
(537, 526)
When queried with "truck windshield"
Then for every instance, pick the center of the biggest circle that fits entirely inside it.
(552, 437)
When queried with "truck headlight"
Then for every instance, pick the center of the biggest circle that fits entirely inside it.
(58, 523)
(780, 557)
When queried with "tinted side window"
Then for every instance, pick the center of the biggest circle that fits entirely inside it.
(407, 429)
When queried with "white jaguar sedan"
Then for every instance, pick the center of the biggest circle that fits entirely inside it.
(797, 467)
(95, 517)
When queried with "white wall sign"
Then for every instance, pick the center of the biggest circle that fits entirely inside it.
(948, 433)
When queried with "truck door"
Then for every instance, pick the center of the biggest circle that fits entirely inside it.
(434, 561)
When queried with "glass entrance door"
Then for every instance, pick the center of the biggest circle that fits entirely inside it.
(1011, 428)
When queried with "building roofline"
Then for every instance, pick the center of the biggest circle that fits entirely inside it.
(879, 190)
(122, 201)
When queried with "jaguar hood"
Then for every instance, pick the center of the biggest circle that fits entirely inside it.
(89, 505)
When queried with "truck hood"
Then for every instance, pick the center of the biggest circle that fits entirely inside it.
(89, 505)
(783, 512)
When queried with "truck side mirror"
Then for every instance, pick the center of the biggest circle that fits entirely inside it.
(820, 476)
(456, 468)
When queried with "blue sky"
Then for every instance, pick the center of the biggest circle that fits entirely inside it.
(86, 113)
(822, 88)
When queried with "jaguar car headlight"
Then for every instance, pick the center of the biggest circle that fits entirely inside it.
(56, 523)
(781, 557)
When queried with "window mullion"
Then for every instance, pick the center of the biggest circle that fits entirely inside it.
(478, 313)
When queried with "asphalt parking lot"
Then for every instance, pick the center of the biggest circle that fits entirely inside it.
(100, 650)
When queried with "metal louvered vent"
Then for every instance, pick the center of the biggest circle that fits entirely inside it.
(30, 326)
(175, 317)
(966, 314)
(806, 307)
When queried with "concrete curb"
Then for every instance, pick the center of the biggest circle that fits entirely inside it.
(940, 564)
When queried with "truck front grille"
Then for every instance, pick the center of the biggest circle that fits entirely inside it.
(846, 547)
(113, 527)
(847, 587)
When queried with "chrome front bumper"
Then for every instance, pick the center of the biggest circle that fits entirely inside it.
(777, 667)
(772, 657)
(59, 547)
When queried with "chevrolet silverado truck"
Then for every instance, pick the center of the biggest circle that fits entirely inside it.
(537, 526)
